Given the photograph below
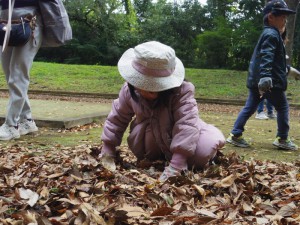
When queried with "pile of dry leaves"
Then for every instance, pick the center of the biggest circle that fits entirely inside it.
(69, 186)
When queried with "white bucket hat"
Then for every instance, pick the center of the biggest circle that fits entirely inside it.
(151, 66)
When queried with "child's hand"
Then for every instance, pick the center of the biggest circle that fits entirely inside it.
(108, 162)
(265, 84)
(294, 73)
(169, 172)
(107, 157)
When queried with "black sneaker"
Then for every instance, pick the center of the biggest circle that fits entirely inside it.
(285, 144)
(238, 141)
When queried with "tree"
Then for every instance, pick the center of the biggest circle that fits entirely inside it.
(294, 5)
(247, 26)
(296, 45)
(176, 25)
(214, 46)
(221, 34)
(97, 28)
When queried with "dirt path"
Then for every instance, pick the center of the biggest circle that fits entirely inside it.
(204, 107)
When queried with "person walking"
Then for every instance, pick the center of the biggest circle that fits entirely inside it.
(16, 64)
(267, 77)
(160, 108)
(261, 114)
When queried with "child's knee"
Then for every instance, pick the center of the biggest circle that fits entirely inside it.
(210, 141)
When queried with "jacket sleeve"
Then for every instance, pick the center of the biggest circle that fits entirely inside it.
(186, 130)
(267, 53)
(117, 121)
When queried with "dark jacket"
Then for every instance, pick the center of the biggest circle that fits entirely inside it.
(268, 60)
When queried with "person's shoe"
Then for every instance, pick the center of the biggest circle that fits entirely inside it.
(285, 144)
(238, 141)
(27, 126)
(272, 115)
(8, 132)
(261, 116)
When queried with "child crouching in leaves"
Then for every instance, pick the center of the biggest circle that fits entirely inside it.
(162, 113)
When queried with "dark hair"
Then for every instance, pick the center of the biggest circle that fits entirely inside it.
(284, 34)
(276, 12)
(163, 96)
(266, 20)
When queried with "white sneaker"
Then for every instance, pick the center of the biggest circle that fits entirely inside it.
(261, 116)
(27, 126)
(272, 115)
(8, 132)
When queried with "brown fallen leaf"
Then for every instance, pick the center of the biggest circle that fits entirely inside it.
(226, 182)
(133, 211)
(163, 211)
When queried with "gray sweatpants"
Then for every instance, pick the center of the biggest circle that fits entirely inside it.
(16, 64)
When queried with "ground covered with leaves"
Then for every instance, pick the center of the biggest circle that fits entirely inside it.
(68, 185)
(63, 185)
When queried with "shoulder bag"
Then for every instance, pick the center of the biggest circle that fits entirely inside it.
(57, 30)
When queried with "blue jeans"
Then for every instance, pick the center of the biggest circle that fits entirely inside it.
(277, 98)
(260, 107)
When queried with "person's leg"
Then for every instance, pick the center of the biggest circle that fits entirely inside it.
(26, 123)
(18, 83)
(211, 139)
(250, 107)
(248, 110)
(269, 107)
(270, 110)
(136, 139)
(152, 150)
(20, 62)
(278, 99)
(260, 107)
(32, 51)
(142, 143)
(5, 62)
(7, 131)
(261, 115)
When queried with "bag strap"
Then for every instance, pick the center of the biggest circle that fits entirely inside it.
(11, 4)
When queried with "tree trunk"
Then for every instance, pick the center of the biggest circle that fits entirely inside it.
(290, 27)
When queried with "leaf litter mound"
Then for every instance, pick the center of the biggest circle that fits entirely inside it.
(68, 185)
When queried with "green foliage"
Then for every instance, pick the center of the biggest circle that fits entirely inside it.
(246, 30)
(244, 40)
(96, 26)
(210, 43)
(221, 34)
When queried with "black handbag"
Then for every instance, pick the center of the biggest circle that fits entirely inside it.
(20, 32)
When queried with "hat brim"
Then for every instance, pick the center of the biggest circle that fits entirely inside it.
(283, 11)
(145, 82)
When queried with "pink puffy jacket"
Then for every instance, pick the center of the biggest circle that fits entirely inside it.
(161, 132)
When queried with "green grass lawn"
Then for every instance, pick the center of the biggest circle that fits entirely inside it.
(212, 84)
